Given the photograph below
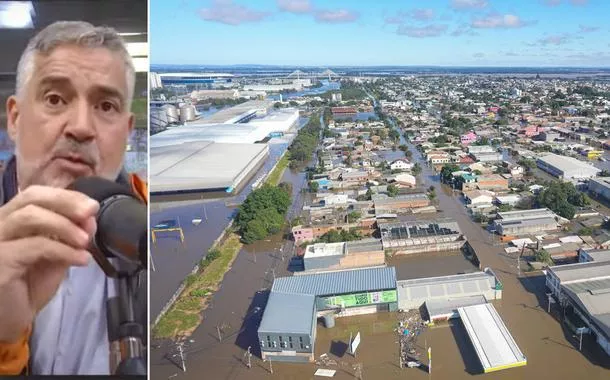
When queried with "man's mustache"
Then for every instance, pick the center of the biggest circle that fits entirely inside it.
(71, 149)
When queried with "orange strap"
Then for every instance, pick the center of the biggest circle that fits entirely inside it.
(139, 187)
(14, 356)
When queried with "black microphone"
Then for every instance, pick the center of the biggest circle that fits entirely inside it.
(122, 221)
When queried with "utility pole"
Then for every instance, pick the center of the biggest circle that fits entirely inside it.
(248, 355)
(270, 366)
(254, 254)
(219, 336)
(181, 351)
(549, 296)
(359, 371)
(400, 352)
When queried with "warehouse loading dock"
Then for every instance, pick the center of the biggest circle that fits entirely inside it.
(493, 344)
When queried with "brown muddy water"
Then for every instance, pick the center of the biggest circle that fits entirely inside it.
(551, 351)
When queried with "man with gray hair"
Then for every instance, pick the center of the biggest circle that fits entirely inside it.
(70, 117)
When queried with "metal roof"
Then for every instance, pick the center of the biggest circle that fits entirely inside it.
(490, 337)
(288, 313)
(340, 282)
(365, 245)
(202, 165)
(441, 307)
(446, 287)
(581, 271)
(567, 164)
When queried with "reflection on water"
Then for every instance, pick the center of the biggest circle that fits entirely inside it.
(136, 157)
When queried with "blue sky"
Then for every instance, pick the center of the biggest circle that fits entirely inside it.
(381, 32)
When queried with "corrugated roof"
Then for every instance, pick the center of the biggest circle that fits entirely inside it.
(567, 164)
(340, 282)
(288, 313)
(581, 271)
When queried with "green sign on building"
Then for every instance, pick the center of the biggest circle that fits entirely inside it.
(360, 299)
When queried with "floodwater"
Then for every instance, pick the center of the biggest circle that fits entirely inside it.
(236, 311)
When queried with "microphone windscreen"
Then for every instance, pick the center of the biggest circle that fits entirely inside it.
(99, 188)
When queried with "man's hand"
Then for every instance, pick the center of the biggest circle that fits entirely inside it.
(43, 231)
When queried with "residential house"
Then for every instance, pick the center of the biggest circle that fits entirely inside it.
(478, 197)
(468, 138)
(401, 165)
(492, 182)
(405, 180)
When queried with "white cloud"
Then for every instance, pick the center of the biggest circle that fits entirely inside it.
(505, 21)
(336, 16)
(295, 6)
(468, 4)
(226, 12)
(433, 30)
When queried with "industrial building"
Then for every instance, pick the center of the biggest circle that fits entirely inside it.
(421, 236)
(526, 221)
(240, 113)
(566, 168)
(296, 302)
(600, 187)
(334, 256)
(583, 291)
(203, 166)
(494, 345)
(436, 292)
(195, 80)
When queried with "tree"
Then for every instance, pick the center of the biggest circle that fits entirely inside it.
(408, 154)
(432, 193)
(504, 208)
(585, 231)
(480, 218)
(314, 186)
(416, 170)
(353, 216)
(446, 172)
(392, 190)
(562, 198)
(543, 256)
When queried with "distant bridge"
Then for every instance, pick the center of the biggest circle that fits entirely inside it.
(329, 74)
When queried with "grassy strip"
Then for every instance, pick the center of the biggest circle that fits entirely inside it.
(276, 175)
(185, 314)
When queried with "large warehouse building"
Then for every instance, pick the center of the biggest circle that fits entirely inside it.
(443, 295)
(203, 166)
(566, 168)
(219, 153)
(583, 289)
(195, 80)
(287, 329)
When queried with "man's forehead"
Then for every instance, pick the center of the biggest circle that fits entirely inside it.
(99, 66)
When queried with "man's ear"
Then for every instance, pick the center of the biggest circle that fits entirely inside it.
(12, 117)
(132, 121)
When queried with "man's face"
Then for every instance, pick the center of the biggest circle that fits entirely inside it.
(71, 119)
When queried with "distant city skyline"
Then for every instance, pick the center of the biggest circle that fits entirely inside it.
(518, 33)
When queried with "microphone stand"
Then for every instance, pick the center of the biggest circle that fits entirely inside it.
(130, 331)
(125, 332)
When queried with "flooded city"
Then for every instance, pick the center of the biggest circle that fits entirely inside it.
(218, 348)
